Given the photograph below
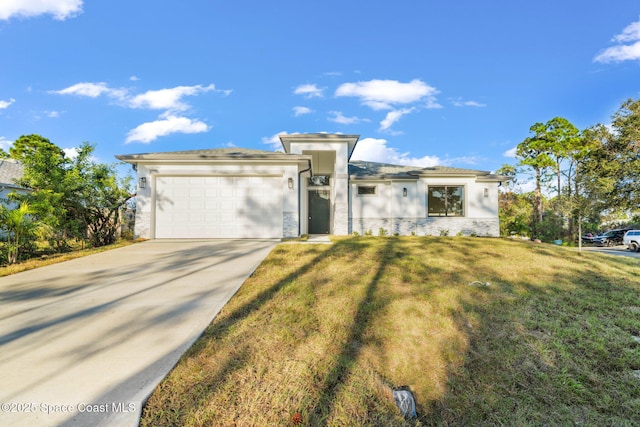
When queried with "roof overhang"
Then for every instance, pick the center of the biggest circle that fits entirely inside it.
(319, 138)
(382, 177)
(202, 158)
(479, 176)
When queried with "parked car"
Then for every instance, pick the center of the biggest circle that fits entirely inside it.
(588, 238)
(632, 240)
(610, 238)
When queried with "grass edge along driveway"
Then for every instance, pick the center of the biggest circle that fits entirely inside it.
(483, 331)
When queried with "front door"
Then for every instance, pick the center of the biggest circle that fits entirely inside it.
(319, 208)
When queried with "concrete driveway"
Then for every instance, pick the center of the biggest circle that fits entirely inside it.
(85, 342)
(619, 250)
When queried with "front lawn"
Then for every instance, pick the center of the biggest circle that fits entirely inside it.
(55, 258)
(483, 332)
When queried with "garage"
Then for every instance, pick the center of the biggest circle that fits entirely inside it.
(218, 207)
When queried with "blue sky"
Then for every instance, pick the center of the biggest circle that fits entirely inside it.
(424, 82)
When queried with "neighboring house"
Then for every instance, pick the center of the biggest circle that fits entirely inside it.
(10, 171)
(311, 188)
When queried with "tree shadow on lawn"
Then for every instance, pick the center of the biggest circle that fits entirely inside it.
(348, 356)
(232, 362)
(551, 348)
(504, 349)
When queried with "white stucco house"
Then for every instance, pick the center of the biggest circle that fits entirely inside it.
(310, 188)
(10, 171)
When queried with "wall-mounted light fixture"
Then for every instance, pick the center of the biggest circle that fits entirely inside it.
(486, 192)
(290, 183)
(142, 182)
(404, 192)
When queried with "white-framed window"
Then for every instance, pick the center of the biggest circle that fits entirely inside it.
(367, 190)
(445, 200)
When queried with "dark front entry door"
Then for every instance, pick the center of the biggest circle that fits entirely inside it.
(319, 212)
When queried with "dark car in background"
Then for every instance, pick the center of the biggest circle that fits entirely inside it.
(610, 238)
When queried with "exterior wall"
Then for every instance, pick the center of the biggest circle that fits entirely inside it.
(5, 190)
(146, 199)
(390, 212)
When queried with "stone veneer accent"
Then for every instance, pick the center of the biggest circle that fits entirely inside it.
(290, 224)
(431, 226)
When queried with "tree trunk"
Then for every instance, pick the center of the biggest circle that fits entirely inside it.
(538, 196)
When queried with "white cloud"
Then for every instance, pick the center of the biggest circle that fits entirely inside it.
(92, 90)
(70, 153)
(6, 104)
(377, 150)
(309, 91)
(274, 141)
(384, 94)
(168, 99)
(630, 34)
(394, 116)
(60, 9)
(510, 153)
(461, 103)
(161, 99)
(167, 125)
(5, 143)
(338, 117)
(134, 78)
(432, 103)
(300, 111)
(623, 52)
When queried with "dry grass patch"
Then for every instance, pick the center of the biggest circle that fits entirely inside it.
(324, 332)
(33, 263)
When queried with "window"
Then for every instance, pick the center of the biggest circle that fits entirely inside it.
(447, 200)
(367, 190)
(318, 180)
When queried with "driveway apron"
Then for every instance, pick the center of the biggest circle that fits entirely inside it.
(84, 342)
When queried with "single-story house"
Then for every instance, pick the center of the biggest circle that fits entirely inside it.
(10, 171)
(310, 188)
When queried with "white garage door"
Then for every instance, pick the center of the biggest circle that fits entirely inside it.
(218, 207)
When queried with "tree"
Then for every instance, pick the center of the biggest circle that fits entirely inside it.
(611, 168)
(563, 138)
(44, 173)
(99, 197)
(19, 227)
(77, 198)
(626, 146)
(534, 153)
(515, 209)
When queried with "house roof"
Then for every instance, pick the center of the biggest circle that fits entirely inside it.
(357, 169)
(211, 154)
(10, 171)
(373, 170)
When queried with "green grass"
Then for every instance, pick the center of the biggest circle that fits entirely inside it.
(328, 331)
